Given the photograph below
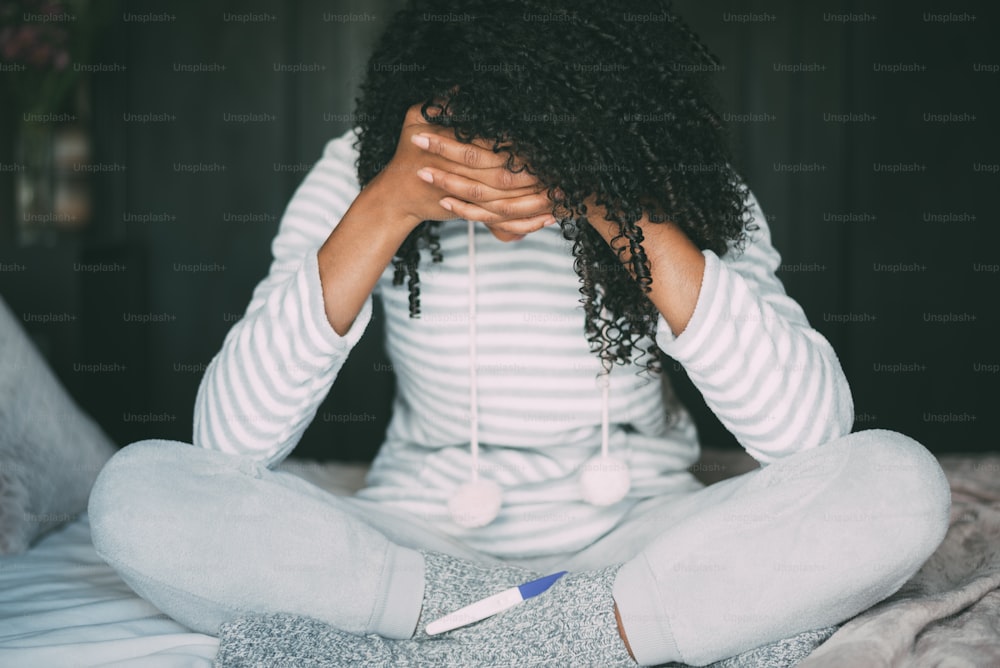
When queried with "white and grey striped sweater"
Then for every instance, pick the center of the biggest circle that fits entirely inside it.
(773, 380)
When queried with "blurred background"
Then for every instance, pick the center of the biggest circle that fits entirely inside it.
(148, 149)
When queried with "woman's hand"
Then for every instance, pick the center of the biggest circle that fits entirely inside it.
(437, 177)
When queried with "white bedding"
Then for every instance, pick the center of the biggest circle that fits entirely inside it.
(61, 606)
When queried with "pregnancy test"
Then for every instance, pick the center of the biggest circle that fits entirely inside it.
(492, 605)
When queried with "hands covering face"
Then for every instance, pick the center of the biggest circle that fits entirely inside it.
(443, 178)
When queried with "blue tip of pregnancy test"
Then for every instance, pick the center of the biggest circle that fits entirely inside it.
(536, 587)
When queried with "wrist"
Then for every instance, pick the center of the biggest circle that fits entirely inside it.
(386, 202)
(597, 218)
(654, 235)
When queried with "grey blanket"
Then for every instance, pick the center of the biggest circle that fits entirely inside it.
(947, 614)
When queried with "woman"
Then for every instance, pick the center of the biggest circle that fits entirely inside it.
(583, 144)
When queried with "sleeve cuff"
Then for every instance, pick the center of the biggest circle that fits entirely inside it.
(685, 346)
(321, 331)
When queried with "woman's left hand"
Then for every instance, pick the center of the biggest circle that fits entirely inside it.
(500, 199)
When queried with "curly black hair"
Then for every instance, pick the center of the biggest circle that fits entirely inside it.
(592, 100)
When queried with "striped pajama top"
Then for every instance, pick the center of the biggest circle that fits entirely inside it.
(772, 380)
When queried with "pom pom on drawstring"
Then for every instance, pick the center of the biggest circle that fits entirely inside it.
(475, 504)
(604, 481)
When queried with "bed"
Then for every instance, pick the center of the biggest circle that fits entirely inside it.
(61, 606)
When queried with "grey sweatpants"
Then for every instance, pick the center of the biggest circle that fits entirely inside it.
(708, 572)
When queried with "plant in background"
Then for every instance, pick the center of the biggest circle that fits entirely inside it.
(40, 42)
(45, 48)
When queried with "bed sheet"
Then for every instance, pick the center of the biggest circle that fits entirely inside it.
(61, 606)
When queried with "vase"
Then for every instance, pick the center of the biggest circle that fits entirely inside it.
(35, 186)
(52, 192)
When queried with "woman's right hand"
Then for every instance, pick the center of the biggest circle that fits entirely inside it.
(430, 165)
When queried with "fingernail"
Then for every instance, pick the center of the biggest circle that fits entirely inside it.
(421, 141)
(550, 221)
(426, 175)
(445, 204)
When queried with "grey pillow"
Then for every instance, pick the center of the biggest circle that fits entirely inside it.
(50, 451)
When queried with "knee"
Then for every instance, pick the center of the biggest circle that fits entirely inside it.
(904, 481)
(122, 497)
(156, 488)
(116, 498)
